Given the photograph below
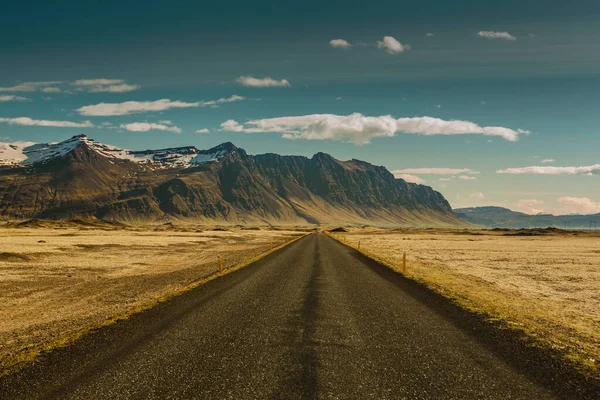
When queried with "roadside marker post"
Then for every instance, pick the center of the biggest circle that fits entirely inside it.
(220, 265)
(359, 245)
(404, 263)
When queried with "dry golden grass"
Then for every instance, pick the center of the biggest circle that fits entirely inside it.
(546, 285)
(56, 283)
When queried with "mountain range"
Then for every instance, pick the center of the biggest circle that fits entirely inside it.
(224, 184)
(499, 217)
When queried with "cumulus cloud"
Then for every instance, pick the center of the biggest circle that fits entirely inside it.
(359, 129)
(29, 86)
(530, 206)
(436, 126)
(391, 45)
(409, 178)
(250, 81)
(203, 130)
(496, 35)
(147, 126)
(579, 205)
(136, 107)
(339, 43)
(10, 97)
(477, 195)
(354, 128)
(549, 170)
(26, 121)
(548, 161)
(51, 90)
(467, 178)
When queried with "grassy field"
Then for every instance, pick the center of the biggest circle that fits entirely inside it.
(56, 282)
(545, 282)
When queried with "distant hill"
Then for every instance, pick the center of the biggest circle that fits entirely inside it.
(499, 217)
(80, 177)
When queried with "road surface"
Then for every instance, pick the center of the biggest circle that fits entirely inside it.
(314, 320)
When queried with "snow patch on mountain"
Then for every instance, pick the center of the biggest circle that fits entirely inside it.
(13, 153)
(211, 155)
(28, 153)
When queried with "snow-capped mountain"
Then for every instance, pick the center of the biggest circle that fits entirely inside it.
(27, 153)
(81, 177)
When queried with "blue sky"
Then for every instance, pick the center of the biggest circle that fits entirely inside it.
(526, 66)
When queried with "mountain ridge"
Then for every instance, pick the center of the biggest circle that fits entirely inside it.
(501, 217)
(224, 184)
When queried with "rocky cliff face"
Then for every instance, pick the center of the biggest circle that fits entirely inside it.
(80, 177)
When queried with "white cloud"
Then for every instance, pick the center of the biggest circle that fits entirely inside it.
(435, 171)
(359, 129)
(97, 82)
(146, 126)
(530, 206)
(339, 43)
(251, 81)
(391, 45)
(579, 205)
(28, 86)
(338, 98)
(477, 195)
(549, 170)
(496, 35)
(103, 85)
(409, 178)
(548, 161)
(26, 121)
(203, 130)
(354, 128)
(467, 178)
(429, 34)
(89, 85)
(10, 97)
(436, 126)
(135, 107)
(123, 88)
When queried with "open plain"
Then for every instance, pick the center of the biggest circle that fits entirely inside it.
(314, 320)
(545, 282)
(58, 281)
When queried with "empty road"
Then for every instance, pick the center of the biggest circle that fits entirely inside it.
(314, 320)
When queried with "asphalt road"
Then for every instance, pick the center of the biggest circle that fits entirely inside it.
(314, 320)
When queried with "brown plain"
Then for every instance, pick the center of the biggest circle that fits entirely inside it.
(546, 283)
(55, 283)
